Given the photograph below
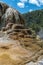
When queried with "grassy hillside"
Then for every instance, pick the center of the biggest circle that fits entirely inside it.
(34, 19)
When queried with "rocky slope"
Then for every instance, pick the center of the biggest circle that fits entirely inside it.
(9, 15)
(22, 51)
(18, 45)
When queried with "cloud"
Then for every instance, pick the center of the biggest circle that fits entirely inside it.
(23, 1)
(41, 2)
(38, 3)
(21, 5)
(30, 10)
(35, 2)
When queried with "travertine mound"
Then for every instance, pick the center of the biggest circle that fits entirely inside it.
(9, 15)
(18, 45)
(12, 23)
(19, 52)
(18, 30)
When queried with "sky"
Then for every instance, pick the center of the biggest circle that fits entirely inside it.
(24, 6)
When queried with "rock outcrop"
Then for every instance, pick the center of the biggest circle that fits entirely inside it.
(9, 15)
(11, 21)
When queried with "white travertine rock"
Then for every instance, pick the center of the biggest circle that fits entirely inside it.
(36, 63)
